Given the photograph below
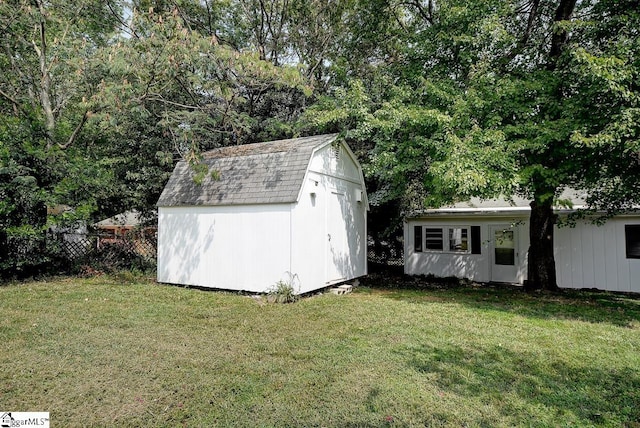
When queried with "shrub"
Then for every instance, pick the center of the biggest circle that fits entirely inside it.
(284, 291)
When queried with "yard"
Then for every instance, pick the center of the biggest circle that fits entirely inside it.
(112, 351)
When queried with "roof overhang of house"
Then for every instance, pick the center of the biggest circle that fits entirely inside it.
(571, 201)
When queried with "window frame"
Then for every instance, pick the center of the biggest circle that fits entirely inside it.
(429, 246)
(445, 233)
(465, 235)
(632, 247)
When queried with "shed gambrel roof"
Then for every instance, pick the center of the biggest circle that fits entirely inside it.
(260, 173)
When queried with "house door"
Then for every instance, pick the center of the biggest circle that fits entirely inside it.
(504, 254)
(337, 256)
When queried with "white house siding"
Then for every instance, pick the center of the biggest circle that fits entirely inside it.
(589, 256)
(194, 249)
(476, 267)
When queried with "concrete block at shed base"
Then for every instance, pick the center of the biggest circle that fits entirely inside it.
(342, 289)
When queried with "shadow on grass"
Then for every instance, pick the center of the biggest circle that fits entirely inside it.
(520, 383)
(591, 306)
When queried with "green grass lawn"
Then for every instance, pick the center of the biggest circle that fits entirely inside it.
(106, 352)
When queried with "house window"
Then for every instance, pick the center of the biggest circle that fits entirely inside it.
(417, 239)
(459, 239)
(454, 239)
(476, 248)
(632, 240)
(433, 238)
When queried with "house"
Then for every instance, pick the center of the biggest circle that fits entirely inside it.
(265, 213)
(118, 226)
(127, 230)
(488, 241)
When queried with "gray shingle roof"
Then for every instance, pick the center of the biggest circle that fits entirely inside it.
(502, 205)
(261, 173)
(127, 218)
(575, 197)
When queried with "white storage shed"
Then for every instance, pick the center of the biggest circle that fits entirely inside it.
(269, 212)
(488, 241)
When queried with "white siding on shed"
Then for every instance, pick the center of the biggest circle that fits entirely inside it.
(329, 224)
(288, 209)
(194, 246)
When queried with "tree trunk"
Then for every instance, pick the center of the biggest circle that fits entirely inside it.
(45, 78)
(560, 36)
(541, 262)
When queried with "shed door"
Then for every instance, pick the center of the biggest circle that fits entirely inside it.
(504, 254)
(337, 257)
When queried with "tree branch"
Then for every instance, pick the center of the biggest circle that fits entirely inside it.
(427, 15)
(45, 78)
(76, 131)
(186, 89)
(560, 36)
(160, 99)
(126, 27)
(16, 104)
(533, 13)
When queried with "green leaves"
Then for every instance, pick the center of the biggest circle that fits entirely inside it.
(478, 164)
(200, 92)
(441, 100)
(483, 99)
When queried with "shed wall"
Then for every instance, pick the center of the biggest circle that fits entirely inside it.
(308, 218)
(329, 232)
(335, 160)
(231, 247)
(318, 240)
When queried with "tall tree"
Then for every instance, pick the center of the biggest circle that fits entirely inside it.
(200, 91)
(98, 99)
(489, 98)
(46, 85)
(45, 51)
(542, 96)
